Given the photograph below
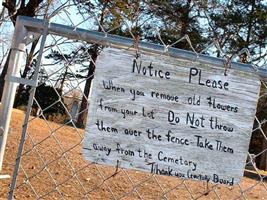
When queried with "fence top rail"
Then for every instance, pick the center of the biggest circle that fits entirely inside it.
(38, 25)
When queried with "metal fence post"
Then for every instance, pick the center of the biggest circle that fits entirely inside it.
(27, 116)
(17, 51)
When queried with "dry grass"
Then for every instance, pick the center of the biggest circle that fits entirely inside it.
(74, 176)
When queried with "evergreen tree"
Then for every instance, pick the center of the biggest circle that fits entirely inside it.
(175, 19)
(240, 24)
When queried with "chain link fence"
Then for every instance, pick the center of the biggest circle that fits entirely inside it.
(44, 147)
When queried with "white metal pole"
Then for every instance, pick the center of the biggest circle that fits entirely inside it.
(1, 7)
(17, 51)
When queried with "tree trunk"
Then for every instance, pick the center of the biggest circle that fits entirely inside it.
(90, 76)
(263, 156)
(185, 18)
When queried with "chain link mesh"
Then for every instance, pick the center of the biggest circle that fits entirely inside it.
(52, 165)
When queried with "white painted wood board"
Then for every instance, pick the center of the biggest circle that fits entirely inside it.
(177, 124)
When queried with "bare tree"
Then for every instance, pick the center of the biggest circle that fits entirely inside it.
(27, 8)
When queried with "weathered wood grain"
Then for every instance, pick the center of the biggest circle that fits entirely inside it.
(186, 134)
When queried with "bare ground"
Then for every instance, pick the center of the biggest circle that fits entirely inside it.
(53, 167)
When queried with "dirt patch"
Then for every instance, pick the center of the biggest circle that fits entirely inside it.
(53, 167)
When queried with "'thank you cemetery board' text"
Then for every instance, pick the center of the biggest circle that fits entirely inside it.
(170, 116)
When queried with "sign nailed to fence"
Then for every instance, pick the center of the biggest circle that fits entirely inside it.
(170, 117)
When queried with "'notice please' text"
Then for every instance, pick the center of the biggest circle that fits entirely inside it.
(149, 70)
(195, 77)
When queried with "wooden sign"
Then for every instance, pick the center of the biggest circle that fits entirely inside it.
(170, 117)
